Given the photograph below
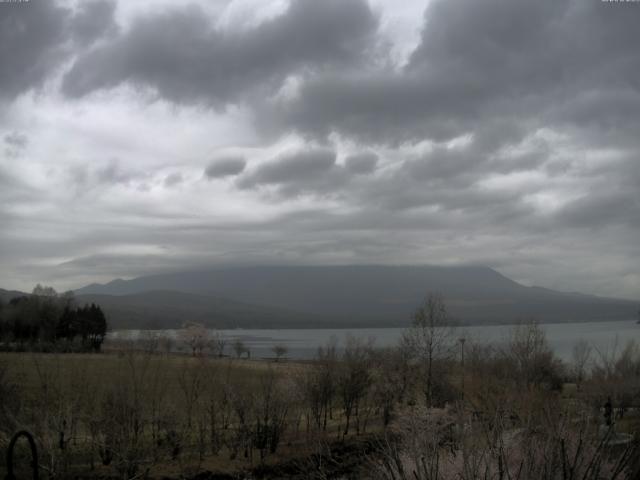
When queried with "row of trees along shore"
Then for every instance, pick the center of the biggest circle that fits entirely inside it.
(419, 410)
(48, 321)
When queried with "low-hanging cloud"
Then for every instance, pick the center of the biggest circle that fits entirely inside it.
(225, 167)
(299, 167)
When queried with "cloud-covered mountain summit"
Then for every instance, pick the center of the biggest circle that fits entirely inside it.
(304, 296)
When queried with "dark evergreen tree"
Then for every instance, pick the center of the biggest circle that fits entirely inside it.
(66, 324)
(97, 327)
(46, 317)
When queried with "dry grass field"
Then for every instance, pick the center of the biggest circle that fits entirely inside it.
(393, 414)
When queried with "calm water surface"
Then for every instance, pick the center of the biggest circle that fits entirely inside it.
(303, 343)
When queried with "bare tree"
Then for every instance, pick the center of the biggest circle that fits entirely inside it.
(191, 381)
(580, 356)
(149, 342)
(242, 401)
(317, 386)
(217, 345)
(279, 350)
(392, 378)
(615, 375)
(532, 357)
(270, 410)
(240, 348)
(119, 424)
(354, 379)
(166, 343)
(430, 338)
(218, 405)
(195, 336)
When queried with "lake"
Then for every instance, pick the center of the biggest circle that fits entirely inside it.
(303, 343)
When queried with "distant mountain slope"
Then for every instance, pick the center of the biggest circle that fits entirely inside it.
(170, 309)
(6, 295)
(363, 295)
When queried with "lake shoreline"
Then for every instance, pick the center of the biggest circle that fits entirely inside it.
(304, 343)
(385, 326)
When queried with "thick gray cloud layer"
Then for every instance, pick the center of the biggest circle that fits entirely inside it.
(508, 135)
(292, 168)
(309, 172)
(94, 20)
(547, 62)
(36, 36)
(361, 163)
(182, 56)
(31, 40)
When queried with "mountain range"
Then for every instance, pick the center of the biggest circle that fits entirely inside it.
(333, 297)
(337, 296)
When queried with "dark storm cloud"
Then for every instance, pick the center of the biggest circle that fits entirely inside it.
(452, 166)
(406, 190)
(35, 35)
(495, 59)
(303, 166)
(361, 163)
(181, 55)
(496, 71)
(603, 209)
(313, 172)
(442, 165)
(612, 197)
(31, 43)
(94, 19)
(225, 167)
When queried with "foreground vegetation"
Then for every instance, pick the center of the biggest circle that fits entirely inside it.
(434, 407)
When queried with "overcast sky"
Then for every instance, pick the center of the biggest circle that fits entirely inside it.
(146, 136)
